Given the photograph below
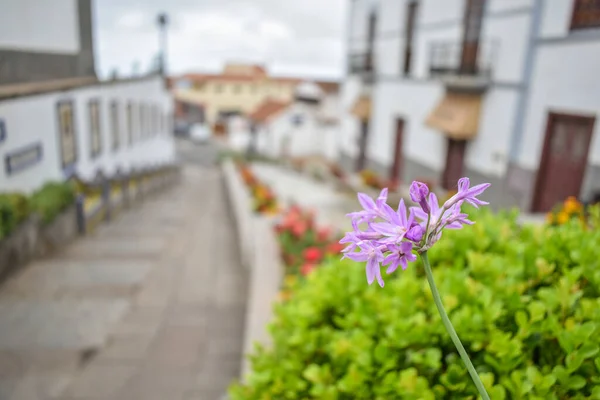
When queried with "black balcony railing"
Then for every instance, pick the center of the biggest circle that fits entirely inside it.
(360, 63)
(454, 59)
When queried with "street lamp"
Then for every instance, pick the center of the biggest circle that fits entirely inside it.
(163, 21)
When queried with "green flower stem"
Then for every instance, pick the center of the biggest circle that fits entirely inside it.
(451, 331)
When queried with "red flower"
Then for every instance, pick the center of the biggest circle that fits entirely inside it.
(313, 254)
(299, 229)
(307, 269)
(335, 248)
(323, 234)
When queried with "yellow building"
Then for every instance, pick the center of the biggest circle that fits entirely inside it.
(239, 89)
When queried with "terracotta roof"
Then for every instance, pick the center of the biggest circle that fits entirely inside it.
(269, 108)
(327, 86)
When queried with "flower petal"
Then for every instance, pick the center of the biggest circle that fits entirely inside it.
(372, 265)
(366, 202)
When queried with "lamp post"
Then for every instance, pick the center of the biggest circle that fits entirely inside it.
(163, 21)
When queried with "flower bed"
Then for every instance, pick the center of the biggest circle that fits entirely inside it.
(263, 199)
(524, 300)
(303, 244)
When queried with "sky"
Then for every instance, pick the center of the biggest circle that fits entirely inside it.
(291, 37)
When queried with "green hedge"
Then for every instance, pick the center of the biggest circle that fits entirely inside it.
(524, 302)
(14, 209)
(52, 199)
(48, 202)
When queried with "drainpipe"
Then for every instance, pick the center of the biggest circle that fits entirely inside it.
(517, 132)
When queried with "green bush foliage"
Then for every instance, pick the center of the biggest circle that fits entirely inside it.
(52, 199)
(525, 302)
(14, 209)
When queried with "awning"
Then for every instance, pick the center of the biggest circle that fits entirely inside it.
(456, 116)
(362, 108)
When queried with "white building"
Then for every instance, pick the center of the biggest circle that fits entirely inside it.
(90, 129)
(56, 119)
(306, 126)
(502, 91)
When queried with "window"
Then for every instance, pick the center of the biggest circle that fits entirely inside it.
(95, 133)
(471, 35)
(586, 14)
(114, 124)
(411, 15)
(237, 88)
(218, 88)
(130, 128)
(67, 137)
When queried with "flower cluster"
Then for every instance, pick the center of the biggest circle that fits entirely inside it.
(393, 236)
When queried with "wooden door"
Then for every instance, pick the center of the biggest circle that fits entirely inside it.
(471, 35)
(455, 155)
(396, 171)
(563, 161)
(362, 145)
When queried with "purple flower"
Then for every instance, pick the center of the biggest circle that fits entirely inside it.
(373, 256)
(396, 225)
(391, 237)
(467, 194)
(371, 208)
(418, 193)
(399, 255)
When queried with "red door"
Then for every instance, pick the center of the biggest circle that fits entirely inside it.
(396, 170)
(563, 161)
(455, 155)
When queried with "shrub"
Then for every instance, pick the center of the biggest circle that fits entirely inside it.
(523, 300)
(52, 199)
(14, 209)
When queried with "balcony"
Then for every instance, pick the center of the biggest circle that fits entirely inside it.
(468, 69)
(361, 64)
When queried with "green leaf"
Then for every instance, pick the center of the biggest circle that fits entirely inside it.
(574, 361)
(589, 350)
(576, 382)
(537, 310)
(312, 373)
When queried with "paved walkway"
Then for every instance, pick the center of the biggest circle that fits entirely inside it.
(150, 307)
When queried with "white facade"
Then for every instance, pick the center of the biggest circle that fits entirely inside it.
(33, 119)
(283, 137)
(40, 25)
(539, 65)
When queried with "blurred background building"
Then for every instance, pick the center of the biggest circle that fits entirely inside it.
(57, 120)
(500, 91)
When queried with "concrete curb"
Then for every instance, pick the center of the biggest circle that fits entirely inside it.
(240, 202)
(260, 253)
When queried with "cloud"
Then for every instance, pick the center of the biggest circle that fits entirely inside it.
(292, 37)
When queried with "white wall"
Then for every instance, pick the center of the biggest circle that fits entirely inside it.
(434, 11)
(494, 6)
(506, 39)
(39, 25)
(556, 18)
(349, 124)
(488, 152)
(565, 80)
(411, 101)
(34, 119)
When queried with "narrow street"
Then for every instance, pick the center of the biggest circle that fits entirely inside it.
(151, 306)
